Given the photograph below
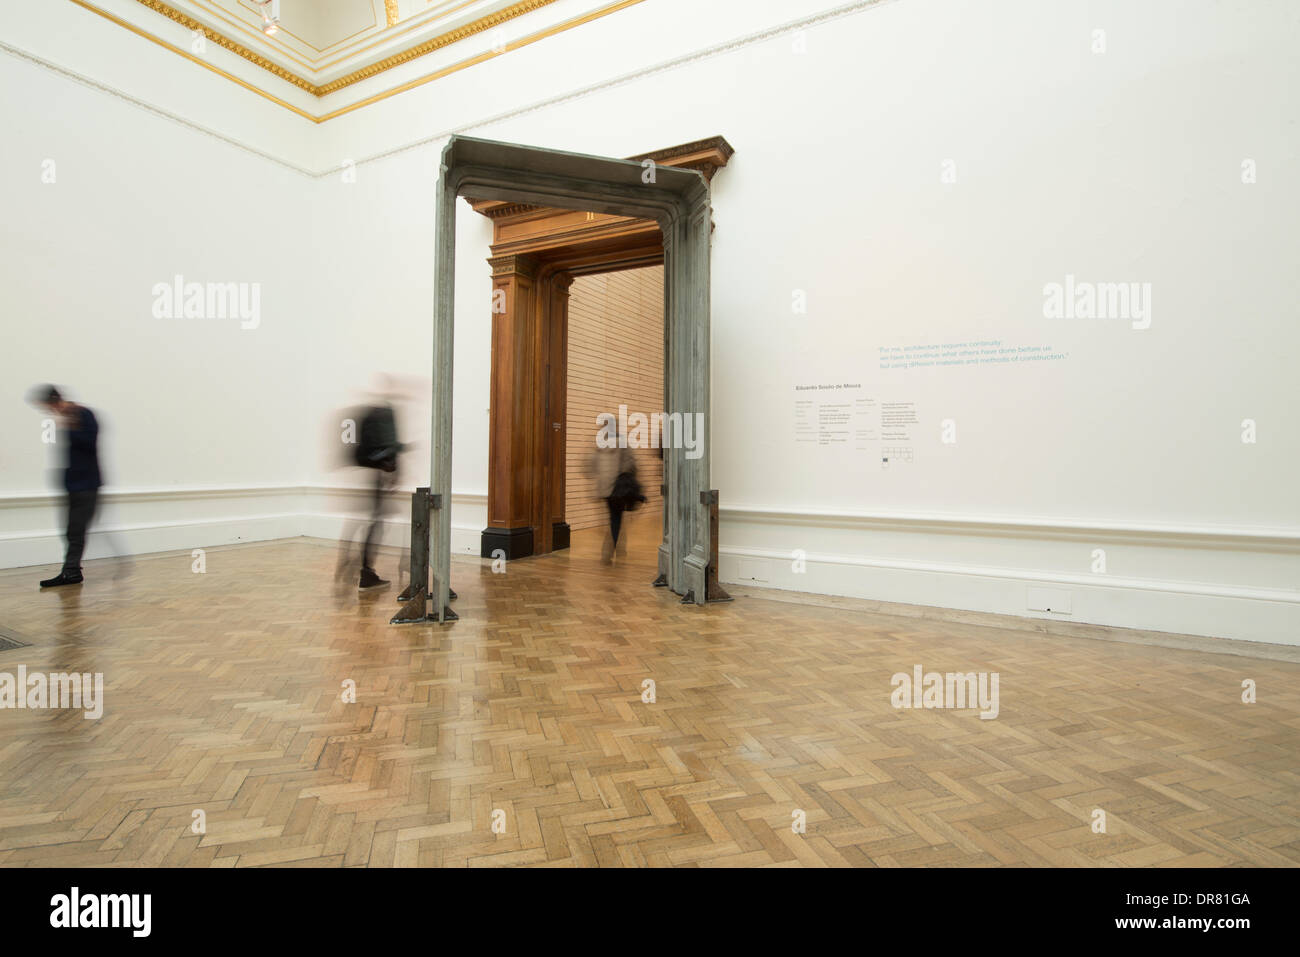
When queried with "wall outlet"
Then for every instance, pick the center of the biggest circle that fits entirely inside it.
(1048, 599)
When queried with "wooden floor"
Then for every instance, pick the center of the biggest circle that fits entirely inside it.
(223, 695)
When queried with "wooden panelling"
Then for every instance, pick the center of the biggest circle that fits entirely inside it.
(616, 357)
(513, 409)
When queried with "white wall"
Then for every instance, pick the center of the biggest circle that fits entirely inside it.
(375, 314)
(1122, 166)
(71, 41)
(184, 403)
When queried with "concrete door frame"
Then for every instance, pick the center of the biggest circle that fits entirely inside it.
(677, 199)
(536, 253)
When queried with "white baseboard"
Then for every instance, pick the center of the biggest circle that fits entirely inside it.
(335, 512)
(107, 541)
(143, 521)
(1210, 581)
(1241, 583)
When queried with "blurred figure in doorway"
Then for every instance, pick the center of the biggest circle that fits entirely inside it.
(614, 472)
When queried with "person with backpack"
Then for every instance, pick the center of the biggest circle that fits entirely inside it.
(377, 448)
(614, 472)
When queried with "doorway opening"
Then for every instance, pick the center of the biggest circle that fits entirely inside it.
(539, 255)
(617, 206)
(615, 368)
(546, 262)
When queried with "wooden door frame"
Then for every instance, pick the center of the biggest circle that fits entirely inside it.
(529, 383)
(678, 201)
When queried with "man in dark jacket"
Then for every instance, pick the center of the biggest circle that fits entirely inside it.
(81, 478)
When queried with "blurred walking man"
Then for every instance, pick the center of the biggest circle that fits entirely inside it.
(614, 470)
(378, 450)
(81, 478)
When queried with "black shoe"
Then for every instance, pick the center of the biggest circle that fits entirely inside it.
(370, 580)
(63, 578)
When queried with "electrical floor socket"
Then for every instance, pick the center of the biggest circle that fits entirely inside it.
(1048, 599)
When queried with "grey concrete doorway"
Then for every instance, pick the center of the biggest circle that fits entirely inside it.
(678, 199)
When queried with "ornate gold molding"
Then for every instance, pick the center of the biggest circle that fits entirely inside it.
(171, 13)
(356, 76)
(437, 43)
(194, 59)
(228, 44)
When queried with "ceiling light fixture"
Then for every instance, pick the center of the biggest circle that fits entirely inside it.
(270, 16)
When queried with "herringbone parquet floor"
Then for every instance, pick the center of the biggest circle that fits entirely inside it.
(223, 694)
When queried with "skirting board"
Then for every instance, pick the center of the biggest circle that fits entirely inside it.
(394, 533)
(145, 521)
(1220, 581)
(338, 512)
(1211, 582)
(21, 550)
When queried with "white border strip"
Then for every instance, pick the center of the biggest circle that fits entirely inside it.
(1026, 575)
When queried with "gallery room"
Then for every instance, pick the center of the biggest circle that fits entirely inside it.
(649, 434)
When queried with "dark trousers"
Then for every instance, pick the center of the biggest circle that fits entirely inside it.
(383, 482)
(615, 517)
(81, 509)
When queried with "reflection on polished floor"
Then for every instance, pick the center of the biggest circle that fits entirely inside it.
(223, 694)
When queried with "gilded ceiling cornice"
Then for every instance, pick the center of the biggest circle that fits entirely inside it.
(487, 22)
(171, 13)
(202, 61)
(437, 43)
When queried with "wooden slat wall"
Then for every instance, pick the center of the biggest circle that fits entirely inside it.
(616, 355)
